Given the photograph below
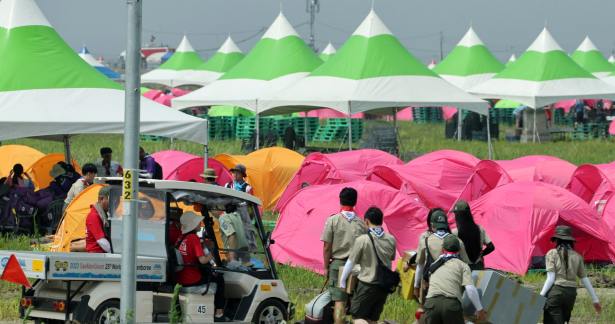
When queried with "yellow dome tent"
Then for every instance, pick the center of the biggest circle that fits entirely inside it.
(72, 225)
(269, 171)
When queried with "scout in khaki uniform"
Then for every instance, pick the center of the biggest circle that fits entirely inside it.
(233, 234)
(341, 231)
(564, 266)
(430, 230)
(472, 235)
(448, 275)
(368, 300)
(430, 247)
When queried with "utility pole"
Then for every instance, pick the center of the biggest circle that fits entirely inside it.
(312, 7)
(130, 184)
(441, 46)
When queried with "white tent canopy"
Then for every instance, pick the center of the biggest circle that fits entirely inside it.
(67, 96)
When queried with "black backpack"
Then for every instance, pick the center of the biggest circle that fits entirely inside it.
(387, 278)
(157, 171)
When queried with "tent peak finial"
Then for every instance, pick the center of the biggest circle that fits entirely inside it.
(470, 39)
(372, 26)
(280, 28)
(544, 43)
(587, 45)
(19, 13)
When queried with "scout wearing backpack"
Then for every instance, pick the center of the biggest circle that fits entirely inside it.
(371, 251)
(430, 247)
(448, 276)
(341, 231)
(564, 265)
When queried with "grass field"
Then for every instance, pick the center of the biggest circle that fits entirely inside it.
(415, 139)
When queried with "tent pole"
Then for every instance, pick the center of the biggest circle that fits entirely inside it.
(534, 135)
(396, 132)
(206, 146)
(489, 147)
(459, 123)
(349, 129)
(67, 155)
(258, 132)
(305, 130)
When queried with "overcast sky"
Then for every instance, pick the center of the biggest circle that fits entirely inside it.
(506, 26)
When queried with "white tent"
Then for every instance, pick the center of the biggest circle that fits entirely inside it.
(47, 89)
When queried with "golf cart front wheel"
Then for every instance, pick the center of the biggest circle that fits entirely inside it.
(108, 312)
(270, 311)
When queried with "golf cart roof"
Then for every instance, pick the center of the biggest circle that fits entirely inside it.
(184, 185)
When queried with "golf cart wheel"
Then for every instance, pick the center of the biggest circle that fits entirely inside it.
(270, 311)
(108, 312)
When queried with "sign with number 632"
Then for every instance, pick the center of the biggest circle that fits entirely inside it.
(128, 188)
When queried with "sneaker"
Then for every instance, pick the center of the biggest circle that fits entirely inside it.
(221, 319)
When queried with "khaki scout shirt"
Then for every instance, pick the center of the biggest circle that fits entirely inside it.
(435, 249)
(484, 238)
(576, 267)
(341, 234)
(449, 279)
(363, 254)
(230, 224)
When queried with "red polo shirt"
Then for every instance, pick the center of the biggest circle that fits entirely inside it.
(93, 231)
(190, 249)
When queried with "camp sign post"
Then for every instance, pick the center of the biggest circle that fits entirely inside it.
(129, 191)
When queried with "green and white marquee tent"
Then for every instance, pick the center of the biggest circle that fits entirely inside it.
(371, 71)
(327, 53)
(543, 75)
(279, 59)
(221, 62)
(46, 89)
(174, 72)
(591, 59)
(611, 59)
(469, 63)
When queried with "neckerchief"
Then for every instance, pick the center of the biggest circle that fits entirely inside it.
(239, 186)
(377, 231)
(349, 215)
(441, 234)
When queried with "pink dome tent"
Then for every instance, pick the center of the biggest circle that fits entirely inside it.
(520, 218)
(594, 184)
(181, 166)
(489, 174)
(302, 220)
(437, 177)
(318, 168)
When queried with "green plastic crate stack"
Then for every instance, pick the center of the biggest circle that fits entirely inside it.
(151, 138)
(299, 124)
(435, 114)
(222, 128)
(246, 125)
(337, 128)
(419, 115)
(281, 123)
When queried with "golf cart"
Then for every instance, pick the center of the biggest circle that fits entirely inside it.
(85, 287)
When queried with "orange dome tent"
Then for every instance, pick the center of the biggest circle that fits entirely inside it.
(35, 163)
(269, 171)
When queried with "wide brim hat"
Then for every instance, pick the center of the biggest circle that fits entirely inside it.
(563, 232)
(239, 168)
(209, 174)
(190, 221)
(56, 171)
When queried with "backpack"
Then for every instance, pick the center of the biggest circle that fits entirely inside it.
(387, 278)
(157, 171)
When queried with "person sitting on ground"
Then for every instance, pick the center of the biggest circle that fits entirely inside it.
(472, 235)
(150, 169)
(369, 250)
(239, 183)
(448, 276)
(89, 173)
(209, 176)
(19, 179)
(97, 226)
(106, 166)
(193, 256)
(564, 265)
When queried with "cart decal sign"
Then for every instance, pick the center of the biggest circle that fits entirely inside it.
(104, 269)
(33, 267)
(201, 309)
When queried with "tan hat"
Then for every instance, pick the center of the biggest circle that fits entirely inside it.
(190, 221)
(209, 174)
(56, 171)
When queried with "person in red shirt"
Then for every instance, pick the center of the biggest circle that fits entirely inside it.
(97, 239)
(175, 228)
(194, 256)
